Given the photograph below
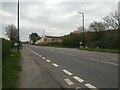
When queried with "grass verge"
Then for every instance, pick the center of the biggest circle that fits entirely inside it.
(100, 50)
(10, 69)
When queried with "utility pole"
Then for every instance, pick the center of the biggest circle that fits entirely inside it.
(18, 27)
(83, 42)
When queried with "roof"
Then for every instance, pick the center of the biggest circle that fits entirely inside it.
(53, 36)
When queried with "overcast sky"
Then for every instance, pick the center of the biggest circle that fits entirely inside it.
(56, 17)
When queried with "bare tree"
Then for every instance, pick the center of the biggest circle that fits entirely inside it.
(11, 32)
(80, 29)
(112, 21)
(97, 26)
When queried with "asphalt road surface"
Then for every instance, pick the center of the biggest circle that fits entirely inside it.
(72, 68)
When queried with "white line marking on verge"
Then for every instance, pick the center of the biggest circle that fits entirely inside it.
(51, 50)
(67, 72)
(67, 53)
(68, 81)
(78, 79)
(43, 57)
(89, 85)
(102, 61)
(111, 63)
(113, 57)
(48, 60)
(55, 65)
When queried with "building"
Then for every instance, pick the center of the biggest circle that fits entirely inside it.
(48, 39)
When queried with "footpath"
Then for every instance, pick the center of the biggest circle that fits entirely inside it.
(34, 74)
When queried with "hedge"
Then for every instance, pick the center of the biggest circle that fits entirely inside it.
(6, 45)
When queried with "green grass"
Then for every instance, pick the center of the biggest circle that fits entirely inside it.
(100, 50)
(10, 69)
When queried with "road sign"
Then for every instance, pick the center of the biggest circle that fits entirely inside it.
(15, 44)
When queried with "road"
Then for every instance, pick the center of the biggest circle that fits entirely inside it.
(73, 68)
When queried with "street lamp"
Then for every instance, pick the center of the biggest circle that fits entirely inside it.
(83, 25)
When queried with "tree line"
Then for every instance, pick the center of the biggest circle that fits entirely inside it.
(99, 34)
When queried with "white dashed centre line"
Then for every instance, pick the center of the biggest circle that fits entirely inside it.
(89, 85)
(43, 57)
(55, 65)
(77, 88)
(68, 81)
(78, 79)
(48, 60)
(39, 55)
(67, 72)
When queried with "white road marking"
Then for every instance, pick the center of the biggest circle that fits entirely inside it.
(67, 53)
(89, 85)
(48, 60)
(67, 72)
(78, 79)
(51, 50)
(102, 61)
(113, 57)
(77, 88)
(40, 56)
(34, 52)
(43, 57)
(68, 81)
(111, 63)
(37, 54)
(55, 65)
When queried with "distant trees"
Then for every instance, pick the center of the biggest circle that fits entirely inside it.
(34, 37)
(11, 32)
(102, 34)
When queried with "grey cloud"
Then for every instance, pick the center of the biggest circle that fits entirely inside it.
(55, 18)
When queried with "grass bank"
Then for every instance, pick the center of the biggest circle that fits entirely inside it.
(10, 69)
(100, 50)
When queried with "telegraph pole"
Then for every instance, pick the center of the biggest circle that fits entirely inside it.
(18, 28)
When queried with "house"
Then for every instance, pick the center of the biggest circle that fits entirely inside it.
(48, 39)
